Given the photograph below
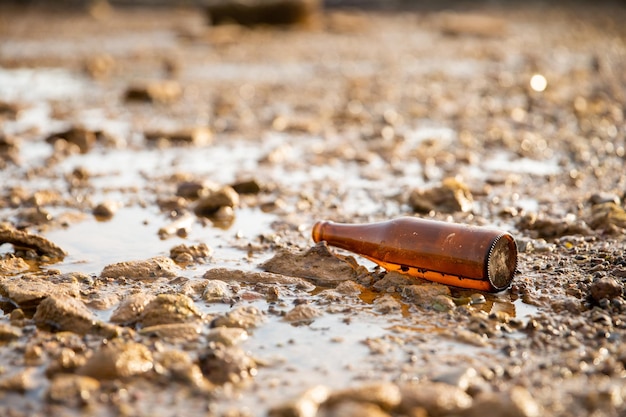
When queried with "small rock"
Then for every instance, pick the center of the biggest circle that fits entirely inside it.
(317, 264)
(150, 269)
(118, 359)
(210, 204)
(461, 378)
(83, 138)
(105, 210)
(198, 136)
(72, 390)
(518, 402)
(131, 307)
(303, 313)
(387, 304)
(191, 190)
(65, 313)
(9, 333)
(605, 287)
(352, 409)
(20, 381)
(194, 252)
(393, 281)
(443, 303)
(436, 398)
(227, 364)
(247, 187)
(178, 365)
(168, 309)
(27, 292)
(245, 317)
(610, 217)
(425, 295)
(602, 198)
(385, 395)
(12, 265)
(306, 405)
(20, 239)
(450, 197)
(252, 277)
(165, 92)
(227, 336)
(217, 291)
(174, 331)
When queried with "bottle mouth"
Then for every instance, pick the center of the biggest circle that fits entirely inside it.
(502, 261)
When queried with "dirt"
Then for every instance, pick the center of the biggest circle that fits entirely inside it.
(161, 176)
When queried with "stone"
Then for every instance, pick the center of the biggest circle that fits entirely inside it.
(385, 395)
(451, 196)
(20, 381)
(194, 252)
(435, 397)
(24, 240)
(105, 210)
(72, 390)
(245, 317)
(84, 139)
(118, 359)
(227, 365)
(605, 287)
(210, 204)
(149, 269)
(12, 265)
(131, 307)
(27, 291)
(517, 402)
(9, 333)
(197, 136)
(227, 336)
(178, 365)
(425, 295)
(217, 291)
(158, 91)
(317, 264)
(263, 12)
(174, 331)
(353, 409)
(253, 277)
(306, 405)
(64, 313)
(168, 309)
(302, 313)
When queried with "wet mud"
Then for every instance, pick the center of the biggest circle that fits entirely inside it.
(161, 174)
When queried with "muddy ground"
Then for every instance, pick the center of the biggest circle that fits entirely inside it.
(160, 178)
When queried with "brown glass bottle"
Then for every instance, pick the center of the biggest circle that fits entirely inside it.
(453, 254)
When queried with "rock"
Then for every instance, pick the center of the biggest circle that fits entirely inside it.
(450, 197)
(12, 265)
(387, 304)
(72, 390)
(435, 397)
(168, 309)
(214, 200)
(609, 217)
(306, 405)
(353, 409)
(385, 395)
(252, 277)
(518, 402)
(197, 136)
(303, 313)
(131, 307)
(462, 378)
(174, 331)
(150, 269)
(603, 198)
(393, 282)
(605, 287)
(27, 292)
(178, 365)
(9, 333)
(227, 336)
(317, 264)
(425, 295)
(443, 303)
(245, 317)
(105, 210)
(193, 252)
(179, 227)
(541, 226)
(64, 313)
(263, 12)
(24, 240)
(166, 91)
(20, 381)
(191, 190)
(227, 365)
(217, 291)
(83, 138)
(118, 359)
(247, 187)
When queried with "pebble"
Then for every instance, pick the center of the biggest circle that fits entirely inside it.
(217, 291)
(451, 196)
(306, 405)
(353, 409)
(9, 332)
(168, 309)
(425, 295)
(214, 200)
(303, 313)
(174, 331)
(118, 359)
(605, 287)
(165, 91)
(436, 398)
(20, 381)
(227, 336)
(253, 277)
(244, 317)
(517, 402)
(198, 136)
(179, 365)
(227, 365)
(72, 390)
(385, 395)
(105, 210)
(317, 264)
(27, 292)
(65, 313)
(83, 138)
(149, 269)
(131, 307)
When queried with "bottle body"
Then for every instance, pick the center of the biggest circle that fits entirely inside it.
(453, 254)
